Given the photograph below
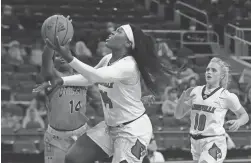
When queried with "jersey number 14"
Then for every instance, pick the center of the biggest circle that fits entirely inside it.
(200, 122)
(75, 106)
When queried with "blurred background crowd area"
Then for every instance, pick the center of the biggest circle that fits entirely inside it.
(186, 32)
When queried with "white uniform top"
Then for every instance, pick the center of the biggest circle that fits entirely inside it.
(208, 114)
(122, 99)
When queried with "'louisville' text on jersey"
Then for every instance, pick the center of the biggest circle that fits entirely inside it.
(205, 108)
(71, 90)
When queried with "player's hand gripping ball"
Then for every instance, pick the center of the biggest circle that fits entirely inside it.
(57, 26)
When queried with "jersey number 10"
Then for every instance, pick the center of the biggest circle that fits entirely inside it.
(200, 122)
(75, 106)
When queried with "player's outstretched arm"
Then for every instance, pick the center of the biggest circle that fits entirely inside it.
(104, 74)
(123, 70)
(48, 70)
(79, 80)
(184, 104)
(73, 80)
(47, 63)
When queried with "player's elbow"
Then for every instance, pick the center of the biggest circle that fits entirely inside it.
(242, 114)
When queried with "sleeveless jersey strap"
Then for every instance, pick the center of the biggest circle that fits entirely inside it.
(50, 91)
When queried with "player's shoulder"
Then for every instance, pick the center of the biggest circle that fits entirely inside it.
(193, 91)
(128, 59)
(225, 94)
(231, 100)
(197, 88)
(128, 62)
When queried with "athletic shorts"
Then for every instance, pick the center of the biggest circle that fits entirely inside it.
(127, 143)
(210, 149)
(57, 143)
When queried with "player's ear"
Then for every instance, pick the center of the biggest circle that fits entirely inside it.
(222, 76)
(128, 44)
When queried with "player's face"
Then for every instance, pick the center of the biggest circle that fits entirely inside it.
(61, 64)
(192, 83)
(173, 95)
(213, 74)
(117, 39)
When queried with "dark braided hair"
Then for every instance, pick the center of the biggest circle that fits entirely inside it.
(150, 65)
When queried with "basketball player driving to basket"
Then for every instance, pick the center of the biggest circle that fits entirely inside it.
(66, 108)
(127, 130)
(208, 106)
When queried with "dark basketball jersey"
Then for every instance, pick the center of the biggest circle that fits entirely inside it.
(66, 107)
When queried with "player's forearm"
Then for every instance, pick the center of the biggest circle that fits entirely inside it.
(76, 80)
(182, 108)
(73, 80)
(47, 63)
(243, 119)
(91, 73)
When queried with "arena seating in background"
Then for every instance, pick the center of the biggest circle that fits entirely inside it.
(21, 79)
(22, 141)
(84, 12)
(89, 17)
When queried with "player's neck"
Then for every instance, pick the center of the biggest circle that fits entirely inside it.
(118, 54)
(212, 86)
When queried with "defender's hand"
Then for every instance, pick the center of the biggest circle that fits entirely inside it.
(41, 87)
(63, 50)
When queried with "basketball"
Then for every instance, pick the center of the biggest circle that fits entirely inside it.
(57, 25)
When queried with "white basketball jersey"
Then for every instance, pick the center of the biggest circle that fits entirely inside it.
(121, 102)
(208, 114)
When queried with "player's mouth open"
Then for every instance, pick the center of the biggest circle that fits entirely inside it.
(109, 37)
(209, 77)
(62, 61)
